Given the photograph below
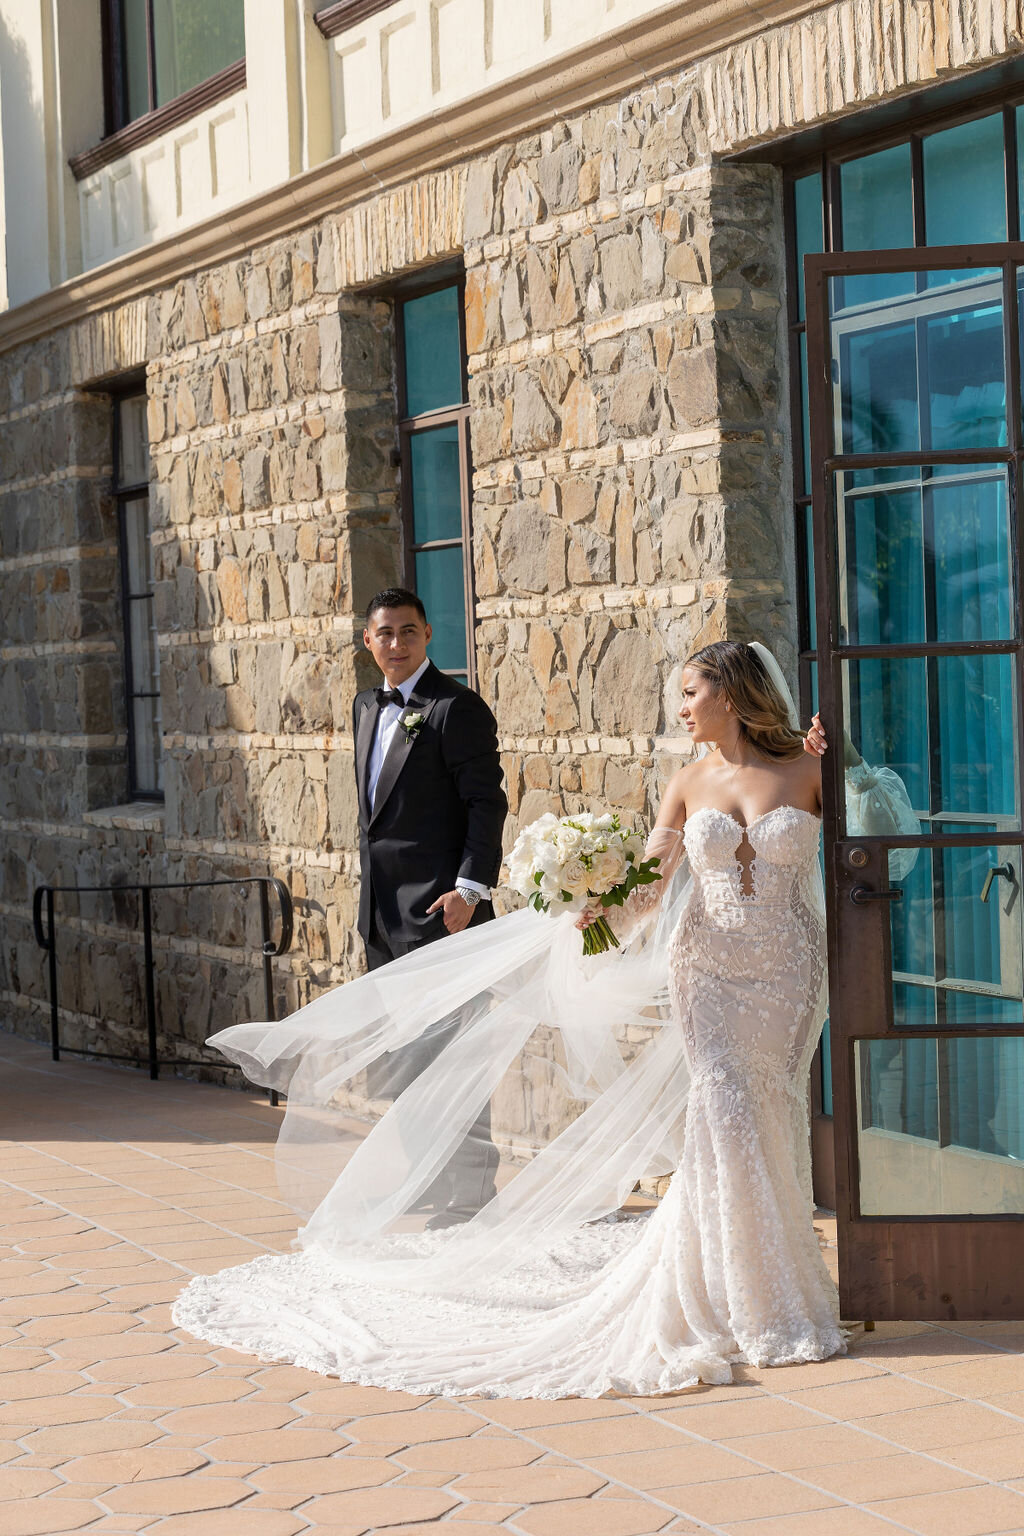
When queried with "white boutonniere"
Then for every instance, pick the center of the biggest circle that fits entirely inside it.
(410, 722)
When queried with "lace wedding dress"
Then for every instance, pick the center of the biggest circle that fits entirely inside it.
(537, 1296)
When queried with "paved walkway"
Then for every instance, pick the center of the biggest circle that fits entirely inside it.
(116, 1189)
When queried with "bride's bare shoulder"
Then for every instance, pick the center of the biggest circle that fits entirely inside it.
(682, 784)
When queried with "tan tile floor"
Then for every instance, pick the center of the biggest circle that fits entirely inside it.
(114, 1189)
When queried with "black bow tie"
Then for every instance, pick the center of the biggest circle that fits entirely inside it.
(390, 696)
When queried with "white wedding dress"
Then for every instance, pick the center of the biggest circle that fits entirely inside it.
(538, 1296)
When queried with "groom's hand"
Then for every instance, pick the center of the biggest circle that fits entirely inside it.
(457, 912)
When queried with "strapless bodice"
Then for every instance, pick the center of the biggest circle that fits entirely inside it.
(784, 836)
(783, 843)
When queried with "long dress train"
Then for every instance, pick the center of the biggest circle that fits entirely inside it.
(536, 1297)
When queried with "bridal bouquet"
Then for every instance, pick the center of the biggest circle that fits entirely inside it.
(569, 864)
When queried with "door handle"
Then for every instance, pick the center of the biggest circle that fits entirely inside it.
(862, 894)
(995, 870)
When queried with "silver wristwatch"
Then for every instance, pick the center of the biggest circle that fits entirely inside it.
(469, 896)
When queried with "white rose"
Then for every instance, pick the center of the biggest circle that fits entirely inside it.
(607, 869)
(575, 876)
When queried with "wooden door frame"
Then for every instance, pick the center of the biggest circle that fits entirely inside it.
(907, 1267)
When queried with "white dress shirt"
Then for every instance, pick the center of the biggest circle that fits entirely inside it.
(388, 716)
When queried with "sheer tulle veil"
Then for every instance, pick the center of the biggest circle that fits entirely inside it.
(532, 1026)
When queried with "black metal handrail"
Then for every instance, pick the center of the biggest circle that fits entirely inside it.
(46, 939)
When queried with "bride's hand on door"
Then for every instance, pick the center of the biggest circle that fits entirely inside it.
(816, 743)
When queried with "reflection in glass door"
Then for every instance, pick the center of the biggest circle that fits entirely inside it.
(914, 383)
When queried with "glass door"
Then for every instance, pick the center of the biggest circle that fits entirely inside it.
(914, 373)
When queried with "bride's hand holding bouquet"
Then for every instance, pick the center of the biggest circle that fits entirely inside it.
(584, 864)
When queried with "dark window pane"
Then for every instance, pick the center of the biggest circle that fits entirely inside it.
(433, 351)
(878, 215)
(139, 547)
(195, 39)
(133, 434)
(436, 484)
(440, 585)
(136, 58)
(807, 218)
(147, 743)
(145, 671)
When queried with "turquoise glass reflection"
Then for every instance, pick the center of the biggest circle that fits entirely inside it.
(805, 416)
(976, 732)
(440, 586)
(964, 187)
(436, 484)
(808, 226)
(957, 959)
(913, 942)
(878, 214)
(947, 538)
(970, 559)
(986, 1104)
(946, 725)
(826, 1069)
(941, 1126)
(921, 371)
(966, 400)
(433, 351)
(878, 384)
(888, 718)
(899, 1081)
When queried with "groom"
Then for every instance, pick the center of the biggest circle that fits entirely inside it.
(431, 812)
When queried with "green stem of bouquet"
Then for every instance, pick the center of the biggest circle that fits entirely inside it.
(598, 937)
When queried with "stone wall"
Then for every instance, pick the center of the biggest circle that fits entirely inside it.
(623, 317)
(630, 502)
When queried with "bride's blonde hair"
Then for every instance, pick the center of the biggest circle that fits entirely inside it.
(736, 670)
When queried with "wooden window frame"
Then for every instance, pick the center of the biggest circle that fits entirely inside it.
(345, 14)
(122, 134)
(124, 492)
(408, 427)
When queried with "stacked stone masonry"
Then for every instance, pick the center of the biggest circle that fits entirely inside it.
(625, 303)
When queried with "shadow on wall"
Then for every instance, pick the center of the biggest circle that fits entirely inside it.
(18, 106)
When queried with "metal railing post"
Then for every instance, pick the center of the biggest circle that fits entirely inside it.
(54, 1007)
(268, 970)
(46, 939)
(147, 960)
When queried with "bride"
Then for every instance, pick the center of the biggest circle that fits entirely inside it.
(687, 1051)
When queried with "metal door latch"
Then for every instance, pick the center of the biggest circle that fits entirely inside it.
(995, 870)
(862, 894)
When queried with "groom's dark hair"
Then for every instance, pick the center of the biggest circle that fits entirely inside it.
(395, 597)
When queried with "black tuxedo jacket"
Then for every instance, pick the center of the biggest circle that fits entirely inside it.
(439, 808)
